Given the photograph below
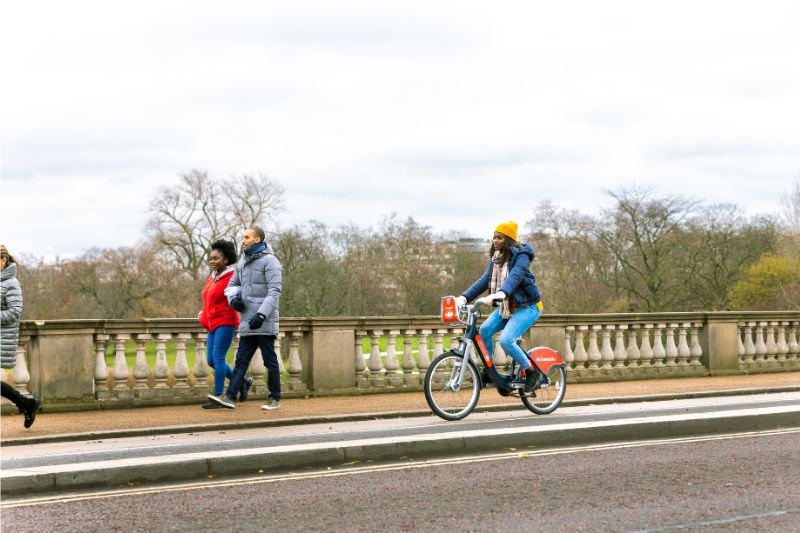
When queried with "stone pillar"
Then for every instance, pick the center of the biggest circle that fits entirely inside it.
(330, 364)
(722, 351)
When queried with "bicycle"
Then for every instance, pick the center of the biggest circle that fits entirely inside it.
(453, 383)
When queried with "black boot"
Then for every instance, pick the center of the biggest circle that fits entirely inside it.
(30, 405)
(531, 379)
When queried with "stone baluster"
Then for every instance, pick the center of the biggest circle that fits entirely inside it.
(200, 369)
(100, 367)
(455, 337)
(581, 357)
(620, 354)
(181, 369)
(749, 345)
(783, 347)
(279, 354)
(794, 347)
(594, 355)
(141, 369)
(408, 364)
(161, 370)
(761, 345)
(741, 342)
(438, 342)
(684, 352)
(659, 354)
(375, 363)
(358, 353)
(120, 363)
(672, 348)
(696, 351)
(569, 355)
(423, 359)
(772, 347)
(390, 363)
(634, 355)
(295, 365)
(21, 375)
(646, 350)
(606, 353)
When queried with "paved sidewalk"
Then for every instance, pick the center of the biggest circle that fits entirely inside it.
(174, 419)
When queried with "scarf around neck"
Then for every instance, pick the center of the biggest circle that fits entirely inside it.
(499, 275)
(255, 248)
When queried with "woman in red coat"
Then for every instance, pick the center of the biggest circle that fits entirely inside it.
(219, 319)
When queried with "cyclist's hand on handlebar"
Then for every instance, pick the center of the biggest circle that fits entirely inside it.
(487, 300)
(460, 301)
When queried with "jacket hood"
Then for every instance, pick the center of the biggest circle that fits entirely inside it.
(10, 271)
(525, 249)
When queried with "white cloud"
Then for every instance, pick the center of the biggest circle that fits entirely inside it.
(458, 113)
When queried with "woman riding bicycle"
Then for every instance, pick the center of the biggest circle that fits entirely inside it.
(512, 285)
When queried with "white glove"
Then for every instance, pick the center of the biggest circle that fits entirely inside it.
(460, 302)
(230, 292)
(487, 300)
(199, 314)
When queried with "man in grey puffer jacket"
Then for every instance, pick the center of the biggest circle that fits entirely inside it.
(254, 291)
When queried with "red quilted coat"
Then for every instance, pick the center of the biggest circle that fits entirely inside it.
(216, 311)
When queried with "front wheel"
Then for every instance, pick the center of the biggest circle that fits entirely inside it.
(547, 398)
(445, 396)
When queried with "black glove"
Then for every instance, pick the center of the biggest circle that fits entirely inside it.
(237, 304)
(256, 321)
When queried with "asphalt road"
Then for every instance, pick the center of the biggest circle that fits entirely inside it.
(744, 482)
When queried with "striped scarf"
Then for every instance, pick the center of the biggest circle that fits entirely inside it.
(499, 275)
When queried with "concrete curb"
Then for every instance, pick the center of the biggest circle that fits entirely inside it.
(286, 457)
(227, 426)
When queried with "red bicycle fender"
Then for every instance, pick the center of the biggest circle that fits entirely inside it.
(545, 358)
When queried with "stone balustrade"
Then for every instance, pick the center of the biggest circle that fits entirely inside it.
(79, 364)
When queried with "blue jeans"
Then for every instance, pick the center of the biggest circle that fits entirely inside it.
(247, 347)
(217, 346)
(513, 328)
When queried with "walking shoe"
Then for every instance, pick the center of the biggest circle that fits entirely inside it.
(248, 382)
(210, 405)
(223, 400)
(271, 404)
(29, 407)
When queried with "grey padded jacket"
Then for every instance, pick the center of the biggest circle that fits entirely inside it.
(11, 308)
(259, 277)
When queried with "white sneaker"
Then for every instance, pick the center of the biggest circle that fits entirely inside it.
(222, 400)
(271, 404)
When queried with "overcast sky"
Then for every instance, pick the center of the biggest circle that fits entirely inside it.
(460, 114)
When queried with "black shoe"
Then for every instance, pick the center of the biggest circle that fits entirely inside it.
(248, 382)
(29, 408)
(210, 405)
(531, 379)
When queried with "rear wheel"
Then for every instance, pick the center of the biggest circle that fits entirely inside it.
(445, 397)
(546, 399)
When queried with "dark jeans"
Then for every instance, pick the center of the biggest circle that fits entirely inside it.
(247, 347)
(12, 394)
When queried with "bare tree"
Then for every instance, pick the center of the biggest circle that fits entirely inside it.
(641, 235)
(186, 218)
(791, 207)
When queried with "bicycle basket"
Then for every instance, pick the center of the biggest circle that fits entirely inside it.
(449, 311)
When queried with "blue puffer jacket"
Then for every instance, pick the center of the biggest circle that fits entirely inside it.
(259, 277)
(520, 285)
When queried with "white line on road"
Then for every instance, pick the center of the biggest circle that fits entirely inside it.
(721, 521)
(350, 470)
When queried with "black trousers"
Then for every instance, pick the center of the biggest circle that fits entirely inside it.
(12, 394)
(248, 345)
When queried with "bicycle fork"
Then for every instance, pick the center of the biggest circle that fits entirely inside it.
(457, 374)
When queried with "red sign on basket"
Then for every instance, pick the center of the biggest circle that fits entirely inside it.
(449, 311)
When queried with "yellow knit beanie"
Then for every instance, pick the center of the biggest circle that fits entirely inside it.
(509, 229)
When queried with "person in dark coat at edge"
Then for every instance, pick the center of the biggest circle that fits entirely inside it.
(11, 309)
(254, 291)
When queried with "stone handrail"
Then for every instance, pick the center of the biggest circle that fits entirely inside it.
(67, 362)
